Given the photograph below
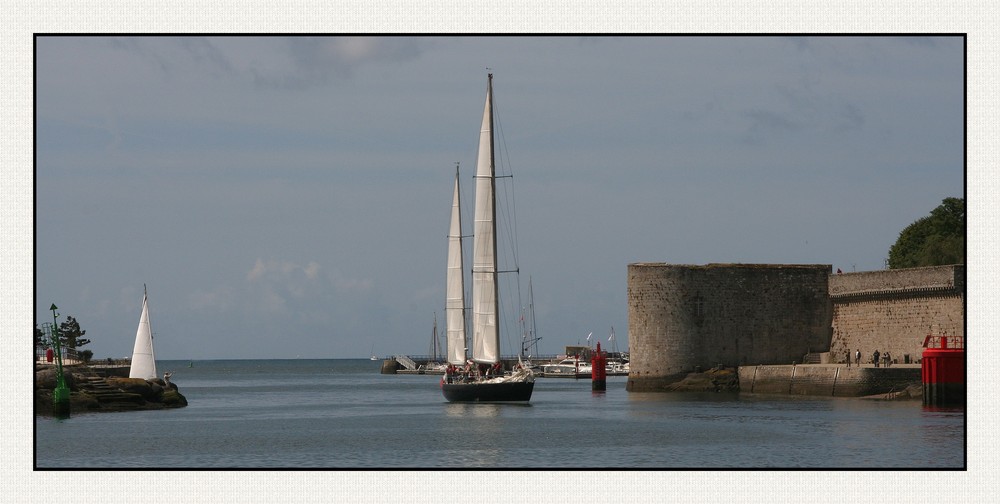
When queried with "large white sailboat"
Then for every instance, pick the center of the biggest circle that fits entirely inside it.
(482, 380)
(143, 360)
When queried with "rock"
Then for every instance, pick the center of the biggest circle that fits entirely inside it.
(173, 398)
(718, 379)
(108, 394)
(46, 378)
(83, 400)
(133, 386)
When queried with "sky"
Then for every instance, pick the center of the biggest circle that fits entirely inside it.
(284, 197)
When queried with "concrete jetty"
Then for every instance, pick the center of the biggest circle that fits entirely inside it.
(828, 379)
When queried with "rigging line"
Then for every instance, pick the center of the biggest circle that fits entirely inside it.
(504, 155)
(510, 303)
(509, 208)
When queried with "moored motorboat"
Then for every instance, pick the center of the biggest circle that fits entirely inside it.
(568, 366)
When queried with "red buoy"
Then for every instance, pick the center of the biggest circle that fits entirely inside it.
(942, 370)
(598, 373)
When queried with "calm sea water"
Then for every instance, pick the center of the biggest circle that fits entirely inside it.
(344, 414)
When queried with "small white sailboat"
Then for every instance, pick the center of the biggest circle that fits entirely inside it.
(143, 361)
(476, 385)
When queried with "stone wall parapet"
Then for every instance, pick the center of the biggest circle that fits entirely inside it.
(899, 281)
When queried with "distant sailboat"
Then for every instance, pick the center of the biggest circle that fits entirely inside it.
(529, 338)
(143, 360)
(435, 349)
(477, 385)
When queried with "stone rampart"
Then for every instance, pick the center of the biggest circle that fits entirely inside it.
(893, 310)
(684, 317)
(898, 281)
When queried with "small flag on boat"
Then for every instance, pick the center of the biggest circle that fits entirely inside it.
(589, 335)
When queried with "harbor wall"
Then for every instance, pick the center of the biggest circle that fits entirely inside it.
(827, 380)
(684, 317)
(893, 310)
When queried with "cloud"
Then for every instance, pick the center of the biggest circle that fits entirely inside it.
(272, 62)
(764, 124)
(353, 285)
(288, 273)
(271, 268)
(303, 62)
(221, 299)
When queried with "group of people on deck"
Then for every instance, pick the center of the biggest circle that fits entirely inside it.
(471, 372)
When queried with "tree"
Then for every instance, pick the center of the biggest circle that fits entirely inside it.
(71, 333)
(41, 341)
(935, 240)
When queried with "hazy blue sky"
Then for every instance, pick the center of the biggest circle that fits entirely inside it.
(285, 196)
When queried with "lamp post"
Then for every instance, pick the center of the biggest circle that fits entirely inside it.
(60, 396)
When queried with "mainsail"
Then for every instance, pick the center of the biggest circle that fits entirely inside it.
(485, 304)
(143, 361)
(455, 302)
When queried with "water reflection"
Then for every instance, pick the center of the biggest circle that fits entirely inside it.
(479, 410)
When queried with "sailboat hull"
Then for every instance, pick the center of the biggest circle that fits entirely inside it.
(488, 392)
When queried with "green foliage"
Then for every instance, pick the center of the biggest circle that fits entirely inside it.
(935, 240)
(41, 340)
(72, 336)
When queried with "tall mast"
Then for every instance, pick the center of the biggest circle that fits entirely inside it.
(434, 340)
(493, 212)
(485, 300)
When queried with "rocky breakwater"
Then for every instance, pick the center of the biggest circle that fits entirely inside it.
(717, 379)
(92, 393)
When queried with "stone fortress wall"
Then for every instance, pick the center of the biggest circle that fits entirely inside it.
(684, 317)
(893, 310)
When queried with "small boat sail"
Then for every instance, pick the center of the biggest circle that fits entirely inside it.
(143, 361)
(483, 379)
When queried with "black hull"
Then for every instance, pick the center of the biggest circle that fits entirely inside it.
(488, 392)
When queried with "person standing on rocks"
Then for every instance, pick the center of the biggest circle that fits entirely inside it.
(875, 357)
(857, 358)
(848, 358)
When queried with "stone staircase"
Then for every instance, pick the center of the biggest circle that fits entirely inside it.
(812, 358)
(98, 387)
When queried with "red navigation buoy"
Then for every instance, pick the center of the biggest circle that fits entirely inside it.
(942, 370)
(598, 373)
